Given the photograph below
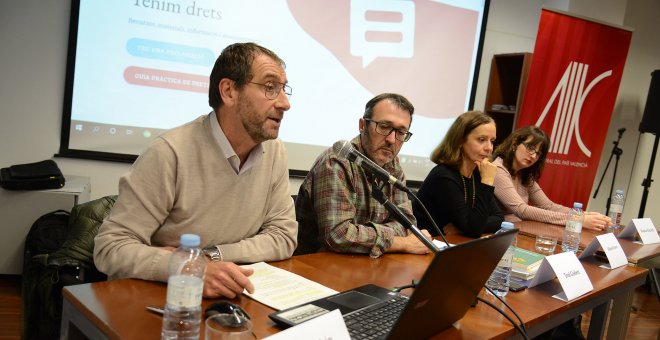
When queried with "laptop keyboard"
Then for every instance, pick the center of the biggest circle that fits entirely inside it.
(375, 322)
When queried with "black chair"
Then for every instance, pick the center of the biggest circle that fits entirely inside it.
(654, 275)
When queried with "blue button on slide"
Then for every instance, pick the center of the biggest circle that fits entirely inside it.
(170, 52)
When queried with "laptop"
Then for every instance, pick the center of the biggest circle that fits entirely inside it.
(446, 291)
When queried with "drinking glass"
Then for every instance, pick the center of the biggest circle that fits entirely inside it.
(545, 244)
(228, 327)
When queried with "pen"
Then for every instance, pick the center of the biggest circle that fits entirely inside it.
(156, 310)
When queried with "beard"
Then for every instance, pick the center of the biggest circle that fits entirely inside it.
(373, 149)
(253, 123)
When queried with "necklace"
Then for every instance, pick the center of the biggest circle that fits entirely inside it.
(465, 190)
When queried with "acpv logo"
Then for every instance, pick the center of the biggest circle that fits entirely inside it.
(572, 94)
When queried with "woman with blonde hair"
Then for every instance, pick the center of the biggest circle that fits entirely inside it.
(520, 160)
(458, 192)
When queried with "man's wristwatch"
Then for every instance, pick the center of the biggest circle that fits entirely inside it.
(213, 253)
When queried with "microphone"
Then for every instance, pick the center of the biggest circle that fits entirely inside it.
(344, 149)
(621, 131)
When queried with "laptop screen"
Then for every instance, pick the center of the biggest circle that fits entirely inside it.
(444, 294)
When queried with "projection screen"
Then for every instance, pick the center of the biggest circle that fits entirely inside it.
(139, 67)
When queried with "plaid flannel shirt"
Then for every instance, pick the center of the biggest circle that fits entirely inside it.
(336, 211)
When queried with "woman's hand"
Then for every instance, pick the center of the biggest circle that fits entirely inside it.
(487, 170)
(596, 221)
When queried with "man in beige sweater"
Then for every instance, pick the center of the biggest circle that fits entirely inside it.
(223, 176)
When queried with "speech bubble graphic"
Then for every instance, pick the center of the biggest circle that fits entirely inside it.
(438, 40)
(382, 17)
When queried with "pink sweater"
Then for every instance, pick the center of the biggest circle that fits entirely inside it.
(520, 202)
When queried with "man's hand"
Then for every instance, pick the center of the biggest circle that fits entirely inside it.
(487, 170)
(226, 279)
(409, 244)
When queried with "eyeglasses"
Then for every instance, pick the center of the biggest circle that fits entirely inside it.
(531, 149)
(272, 89)
(385, 129)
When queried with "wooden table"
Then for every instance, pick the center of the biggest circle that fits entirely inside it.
(116, 309)
(636, 253)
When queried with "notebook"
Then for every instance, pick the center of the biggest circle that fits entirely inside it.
(444, 294)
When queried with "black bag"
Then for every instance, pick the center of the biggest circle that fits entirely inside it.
(58, 252)
(32, 176)
(46, 235)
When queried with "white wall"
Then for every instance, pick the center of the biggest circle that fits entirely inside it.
(34, 34)
(644, 57)
(512, 27)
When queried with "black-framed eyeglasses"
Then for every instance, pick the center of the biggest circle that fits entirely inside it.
(531, 149)
(385, 129)
(272, 89)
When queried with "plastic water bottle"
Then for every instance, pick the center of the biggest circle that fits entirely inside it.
(616, 210)
(500, 278)
(183, 310)
(574, 220)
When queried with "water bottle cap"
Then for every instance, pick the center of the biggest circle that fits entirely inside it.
(577, 205)
(619, 191)
(507, 225)
(190, 240)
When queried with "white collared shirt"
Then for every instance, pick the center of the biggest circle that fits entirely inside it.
(253, 158)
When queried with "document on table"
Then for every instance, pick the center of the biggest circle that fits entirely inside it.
(281, 289)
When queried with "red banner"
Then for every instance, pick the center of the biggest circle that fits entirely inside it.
(571, 90)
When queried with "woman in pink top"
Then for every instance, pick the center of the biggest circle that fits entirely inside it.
(519, 160)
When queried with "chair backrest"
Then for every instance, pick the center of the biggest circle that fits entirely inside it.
(84, 222)
(308, 233)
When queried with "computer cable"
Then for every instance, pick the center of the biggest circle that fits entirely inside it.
(378, 194)
(518, 328)
(398, 215)
(428, 216)
(413, 284)
(522, 324)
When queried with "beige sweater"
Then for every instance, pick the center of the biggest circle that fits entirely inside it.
(184, 184)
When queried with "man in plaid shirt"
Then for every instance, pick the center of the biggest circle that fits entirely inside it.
(335, 209)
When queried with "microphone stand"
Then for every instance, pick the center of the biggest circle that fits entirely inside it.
(616, 151)
(646, 183)
(426, 212)
(403, 219)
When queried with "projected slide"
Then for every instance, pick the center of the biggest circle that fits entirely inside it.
(142, 67)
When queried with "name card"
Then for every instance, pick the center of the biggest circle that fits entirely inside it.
(327, 326)
(610, 245)
(644, 227)
(570, 272)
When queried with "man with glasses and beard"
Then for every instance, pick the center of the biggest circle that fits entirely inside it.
(335, 209)
(223, 176)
